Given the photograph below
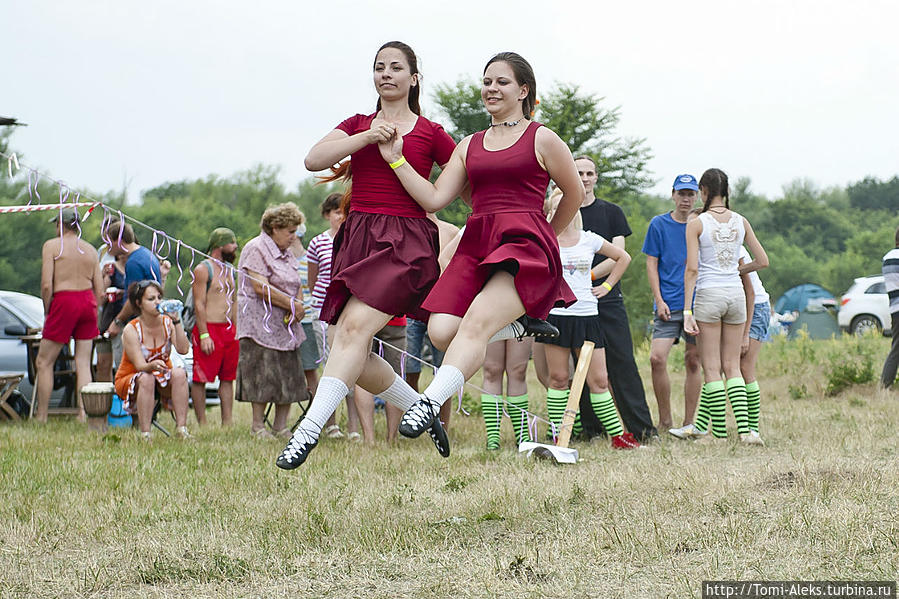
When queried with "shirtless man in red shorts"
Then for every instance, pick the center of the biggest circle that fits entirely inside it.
(214, 337)
(71, 286)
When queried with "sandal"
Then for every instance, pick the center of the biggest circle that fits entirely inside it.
(354, 436)
(334, 432)
(263, 434)
(284, 433)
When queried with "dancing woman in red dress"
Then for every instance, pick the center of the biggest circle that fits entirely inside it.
(385, 253)
(507, 263)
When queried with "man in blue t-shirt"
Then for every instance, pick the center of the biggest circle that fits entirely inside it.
(665, 247)
(141, 265)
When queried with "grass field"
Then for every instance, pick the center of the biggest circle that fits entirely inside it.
(91, 516)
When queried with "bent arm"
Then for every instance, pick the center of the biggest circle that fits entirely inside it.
(131, 345)
(749, 292)
(556, 158)
(759, 257)
(602, 270)
(622, 261)
(179, 338)
(334, 147)
(430, 196)
(265, 290)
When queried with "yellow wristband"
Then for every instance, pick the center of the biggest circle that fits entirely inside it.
(398, 163)
(204, 335)
(606, 285)
(690, 312)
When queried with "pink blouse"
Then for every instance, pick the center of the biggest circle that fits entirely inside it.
(258, 319)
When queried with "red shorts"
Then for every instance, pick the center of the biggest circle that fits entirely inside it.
(222, 362)
(72, 314)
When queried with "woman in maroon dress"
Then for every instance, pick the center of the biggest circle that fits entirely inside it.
(385, 253)
(507, 263)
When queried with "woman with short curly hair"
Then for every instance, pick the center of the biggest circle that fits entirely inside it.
(270, 308)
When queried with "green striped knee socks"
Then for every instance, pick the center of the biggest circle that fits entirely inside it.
(717, 407)
(556, 402)
(736, 392)
(703, 415)
(518, 413)
(492, 413)
(753, 404)
(604, 407)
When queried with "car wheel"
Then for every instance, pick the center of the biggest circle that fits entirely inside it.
(863, 323)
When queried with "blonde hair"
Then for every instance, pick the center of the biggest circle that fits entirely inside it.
(281, 216)
(551, 204)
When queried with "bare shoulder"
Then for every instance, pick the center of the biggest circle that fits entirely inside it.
(547, 138)
(90, 252)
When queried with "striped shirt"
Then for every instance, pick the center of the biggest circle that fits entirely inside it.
(319, 252)
(303, 269)
(891, 278)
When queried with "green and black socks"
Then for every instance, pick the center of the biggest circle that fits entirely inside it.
(736, 392)
(703, 415)
(492, 411)
(753, 404)
(518, 412)
(604, 407)
(717, 407)
(556, 402)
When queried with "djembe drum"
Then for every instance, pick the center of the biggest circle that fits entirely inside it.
(97, 401)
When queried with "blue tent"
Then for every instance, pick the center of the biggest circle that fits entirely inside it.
(798, 297)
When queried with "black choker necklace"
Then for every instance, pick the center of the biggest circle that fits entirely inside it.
(507, 123)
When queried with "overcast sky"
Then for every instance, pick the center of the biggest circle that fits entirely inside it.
(149, 92)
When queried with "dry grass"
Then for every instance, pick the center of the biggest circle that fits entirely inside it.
(85, 516)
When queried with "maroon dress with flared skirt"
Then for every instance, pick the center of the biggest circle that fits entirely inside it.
(385, 253)
(507, 230)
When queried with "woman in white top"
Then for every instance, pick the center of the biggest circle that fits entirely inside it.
(718, 314)
(577, 323)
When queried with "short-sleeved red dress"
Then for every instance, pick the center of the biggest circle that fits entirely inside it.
(385, 253)
(506, 230)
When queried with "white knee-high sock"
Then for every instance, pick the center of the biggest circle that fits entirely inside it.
(513, 330)
(447, 381)
(328, 395)
(400, 394)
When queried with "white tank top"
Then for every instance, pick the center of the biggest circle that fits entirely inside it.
(719, 251)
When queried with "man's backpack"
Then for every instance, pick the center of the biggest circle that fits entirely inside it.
(189, 314)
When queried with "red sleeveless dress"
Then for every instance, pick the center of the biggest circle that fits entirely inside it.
(506, 231)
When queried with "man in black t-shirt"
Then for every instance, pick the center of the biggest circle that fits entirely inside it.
(608, 220)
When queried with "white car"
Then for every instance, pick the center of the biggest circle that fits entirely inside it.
(865, 306)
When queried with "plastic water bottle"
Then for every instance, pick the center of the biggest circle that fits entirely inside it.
(170, 306)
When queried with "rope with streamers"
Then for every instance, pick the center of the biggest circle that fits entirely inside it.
(33, 179)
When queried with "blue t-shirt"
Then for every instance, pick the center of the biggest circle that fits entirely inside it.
(141, 265)
(666, 239)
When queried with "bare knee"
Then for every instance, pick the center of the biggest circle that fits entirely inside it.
(441, 330)
(691, 362)
(493, 371)
(517, 372)
(558, 378)
(658, 361)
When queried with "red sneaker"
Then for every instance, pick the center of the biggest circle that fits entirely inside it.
(630, 437)
(622, 442)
